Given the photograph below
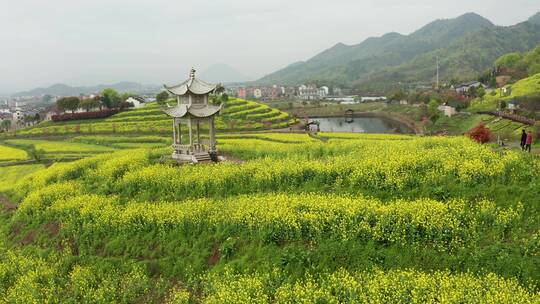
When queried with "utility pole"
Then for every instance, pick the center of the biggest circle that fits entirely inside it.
(437, 73)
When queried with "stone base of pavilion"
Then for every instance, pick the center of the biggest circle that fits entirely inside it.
(191, 159)
(196, 153)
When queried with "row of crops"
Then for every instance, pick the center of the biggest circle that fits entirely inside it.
(238, 114)
(362, 218)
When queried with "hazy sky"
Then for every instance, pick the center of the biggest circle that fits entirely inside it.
(81, 42)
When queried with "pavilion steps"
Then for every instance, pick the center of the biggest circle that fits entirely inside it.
(202, 157)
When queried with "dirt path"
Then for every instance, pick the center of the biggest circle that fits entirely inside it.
(7, 204)
(514, 146)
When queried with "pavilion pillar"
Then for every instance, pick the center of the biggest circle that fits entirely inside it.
(212, 135)
(174, 131)
(190, 132)
(198, 132)
(179, 133)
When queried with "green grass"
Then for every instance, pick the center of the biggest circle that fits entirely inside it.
(289, 211)
(11, 154)
(524, 87)
(10, 176)
(59, 148)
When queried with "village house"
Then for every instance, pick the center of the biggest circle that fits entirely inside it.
(241, 93)
(257, 93)
(137, 101)
(464, 88)
(447, 110)
(18, 115)
(311, 92)
(513, 105)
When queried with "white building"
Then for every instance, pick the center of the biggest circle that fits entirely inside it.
(447, 110)
(373, 98)
(137, 101)
(343, 99)
(324, 91)
(18, 115)
(311, 92)
(257, 93)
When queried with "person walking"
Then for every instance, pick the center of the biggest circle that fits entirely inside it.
(528, 143)
(523, 139)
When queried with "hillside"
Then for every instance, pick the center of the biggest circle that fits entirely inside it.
(292, 219)
(466, 46)
(237, 114)
(535, 19)
(525, 87)
(520, 65)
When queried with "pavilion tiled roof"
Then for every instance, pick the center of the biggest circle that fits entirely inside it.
(193, 85)
(194, 110)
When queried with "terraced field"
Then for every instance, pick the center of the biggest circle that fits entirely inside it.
(9, 154)
(358, 218)
(58, 149)
(238, 115)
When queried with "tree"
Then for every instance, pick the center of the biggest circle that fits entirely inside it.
(433, 110)
(502, 105)
(89, 104)
(46, 98)
(480, 133)
(397, 95)
(472, 91)
(220, 88)
(127, 95)
(110, 98)
(224, 97)
(536, 131)
(97, 98)
(162, 97)
(37, 117)
(68, 104)
(5, 125)
(508, 60)
(480, 92)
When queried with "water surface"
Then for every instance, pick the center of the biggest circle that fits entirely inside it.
(362, 125)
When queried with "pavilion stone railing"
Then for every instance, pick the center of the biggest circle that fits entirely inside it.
(190, 149)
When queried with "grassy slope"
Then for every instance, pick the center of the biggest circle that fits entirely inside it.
(9, 176)
(523, 87)
(11, 154)
(100, 232)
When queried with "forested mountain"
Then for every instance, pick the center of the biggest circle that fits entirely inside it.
(535, 18)
(465, 45)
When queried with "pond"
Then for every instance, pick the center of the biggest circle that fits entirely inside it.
(361, 125)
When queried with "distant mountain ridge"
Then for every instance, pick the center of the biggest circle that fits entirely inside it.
(535, 19)
(61, 89)
(466, 45)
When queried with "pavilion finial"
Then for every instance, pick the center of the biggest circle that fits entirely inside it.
(192, 73)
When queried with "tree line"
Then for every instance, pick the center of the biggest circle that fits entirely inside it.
(109, 99)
